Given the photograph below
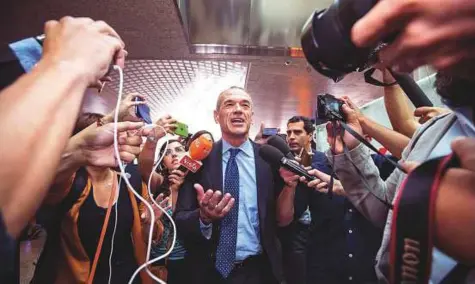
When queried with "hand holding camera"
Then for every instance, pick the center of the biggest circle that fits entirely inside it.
(334, 131)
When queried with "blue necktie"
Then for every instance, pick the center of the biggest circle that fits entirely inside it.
(226, 252)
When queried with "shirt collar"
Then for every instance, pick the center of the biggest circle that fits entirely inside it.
(245, 147)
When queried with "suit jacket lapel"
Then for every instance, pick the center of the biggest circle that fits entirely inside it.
(215, 172)
(262, 183)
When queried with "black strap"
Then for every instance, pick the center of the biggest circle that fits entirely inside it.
(363, 179)
(413, 222)
(370, 146)
(368, 77)
(458, 275)
(332, 175)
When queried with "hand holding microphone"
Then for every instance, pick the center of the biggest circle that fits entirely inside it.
(320, 184)
(176, 178)
(199, 149)
(290, 178)
(276, 158)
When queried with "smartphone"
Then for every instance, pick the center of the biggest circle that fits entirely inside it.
(181, 130)
(143, 111)
(270, 132)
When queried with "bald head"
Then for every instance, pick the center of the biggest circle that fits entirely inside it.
(230, 92)
(234, 115)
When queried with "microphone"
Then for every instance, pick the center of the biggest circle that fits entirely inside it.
(199, 149)
(279, 143)
(412, 90)
(273, 156)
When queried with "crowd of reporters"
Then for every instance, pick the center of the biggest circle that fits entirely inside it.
(239, 219)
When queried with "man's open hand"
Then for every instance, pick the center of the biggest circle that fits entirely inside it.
(213, 206)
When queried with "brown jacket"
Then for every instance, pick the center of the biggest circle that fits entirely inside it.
(73, 263)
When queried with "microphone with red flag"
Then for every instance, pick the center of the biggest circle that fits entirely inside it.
(199, 149)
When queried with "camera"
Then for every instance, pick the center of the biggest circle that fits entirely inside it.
(329, 108)
(327, 46)
(326, 39)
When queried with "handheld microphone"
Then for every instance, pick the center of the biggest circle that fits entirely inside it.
(279, 143)
(412, 90)
(199, 149)
(273, 156)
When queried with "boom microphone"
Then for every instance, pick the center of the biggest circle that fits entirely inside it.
(199, 149)
(279, 143)
(273, 156)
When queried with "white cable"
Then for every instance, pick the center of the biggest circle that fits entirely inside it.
(122, 169)
(162, 209)
(149, 262)
(113, 232)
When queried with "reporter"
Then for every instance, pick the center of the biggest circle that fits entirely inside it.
(430, 141)
(321, 183)
(147, 157)
(77, 53)
(454, 206)
(439, 33)
(402, 119)
(173, 268)
(398, 108)
(390, 139)
(78, 201)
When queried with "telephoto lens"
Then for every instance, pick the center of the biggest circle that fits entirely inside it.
(326, 39)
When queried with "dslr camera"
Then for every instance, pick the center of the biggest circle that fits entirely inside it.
(329, 108)
(326, 39)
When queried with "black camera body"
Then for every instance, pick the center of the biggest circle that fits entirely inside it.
(326, 39)
(329, 108)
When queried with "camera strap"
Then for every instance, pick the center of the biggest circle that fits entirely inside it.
(413, 223)
(346, 152)
(370, 146)
(368, 78)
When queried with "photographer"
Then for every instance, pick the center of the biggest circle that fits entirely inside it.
(402, 119)
(430, 141)
(390, 139)
(326, 239)
(146, 158)
(439, 33)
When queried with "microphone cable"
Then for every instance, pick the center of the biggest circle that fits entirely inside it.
(130, 187)
(121, 165)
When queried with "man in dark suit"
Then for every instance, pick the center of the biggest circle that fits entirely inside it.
(231, 238)
(294, 203)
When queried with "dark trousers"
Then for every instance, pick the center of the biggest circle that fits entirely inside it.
(253, 270)
(178, 272)
(295, 253)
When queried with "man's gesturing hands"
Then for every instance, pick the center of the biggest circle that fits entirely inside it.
(213, 206)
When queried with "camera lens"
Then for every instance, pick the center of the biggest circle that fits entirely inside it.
(326, 39)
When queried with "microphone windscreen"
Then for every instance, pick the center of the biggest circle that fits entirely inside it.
(279, 143)
(201, 147)
(271, 155)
